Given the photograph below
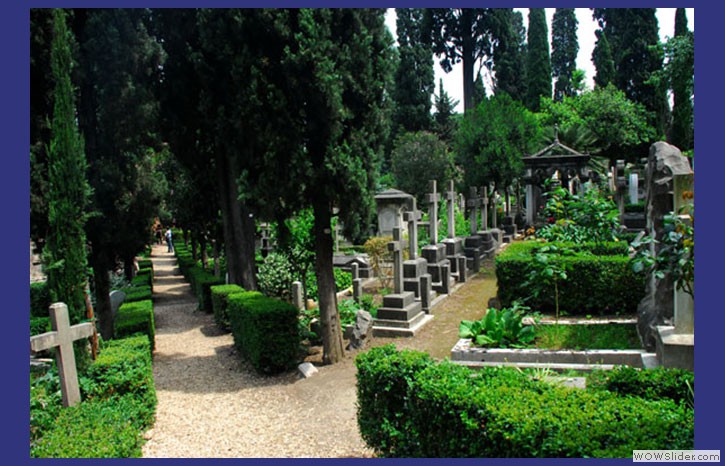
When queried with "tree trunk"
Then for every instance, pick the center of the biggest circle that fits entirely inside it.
(467, 52)
(202, 247)
(103, 311)
(238, 228)
(129, 270)
(333, 350)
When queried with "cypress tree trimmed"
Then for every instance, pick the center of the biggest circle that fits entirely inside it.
(538, 63)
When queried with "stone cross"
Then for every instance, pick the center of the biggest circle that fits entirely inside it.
(433, 197)
(62, 337)
(484, 209)
(472, 203)
(451, 199)
(412, 217)
(396, 247)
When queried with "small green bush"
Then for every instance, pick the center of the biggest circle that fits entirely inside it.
(219, 298)
(409, 406)
(137, 293)
(600, 279)
(265, 330)
(276, 275)
(143, 279)
(201, 282)
(654, 384)
(146, 264)
(39, 299)
(136, 317)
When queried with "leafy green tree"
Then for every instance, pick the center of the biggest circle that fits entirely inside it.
(492, 139)
(418, 158)
(509, 53)
(118, 110)
(444, 122)
(633, 35)
(462, 35)
(538, 62)
(620, 126)
(479, 90)
(414, 82)
(564, 49)
(603, 60)
(680, 71)
(68, 190)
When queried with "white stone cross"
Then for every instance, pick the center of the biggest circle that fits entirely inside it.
(62, 338)
(433, 199)
(451, 199)
(396, 247)
(412, 217)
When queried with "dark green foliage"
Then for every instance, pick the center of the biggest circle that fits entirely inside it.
(418, 158)
(600, 279)
(265, 330)
(220, 302)
(564, 49)
(444, 122)
(201, 282)
(39, 299)
(136, 317)
(119, 401)
(137, 293)
(509, 53)
(492, 139)
(409, 406)
(586, 337)
(64, 256)
(144, 277)
(39, 325)
(538, 63)
(275, 276)
(603, 60)
(677, 385)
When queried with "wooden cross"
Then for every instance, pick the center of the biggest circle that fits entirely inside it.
(433, 199)
(451, 198)
(473, 203)
(412, 217)
(396, 247)
(62, 338)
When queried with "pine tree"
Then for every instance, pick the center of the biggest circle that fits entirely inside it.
(68, 193)
(414, 77)
(564, 50)
(443, 119)
(538, 63)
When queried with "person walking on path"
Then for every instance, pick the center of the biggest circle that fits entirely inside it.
(169, 241)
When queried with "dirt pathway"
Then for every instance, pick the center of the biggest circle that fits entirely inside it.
(212, 404)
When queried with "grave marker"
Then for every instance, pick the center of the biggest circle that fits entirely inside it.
(396, 247)
(450, 203)
(433, 197)
(62, 337)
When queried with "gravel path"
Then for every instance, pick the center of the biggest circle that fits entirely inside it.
(213, 405)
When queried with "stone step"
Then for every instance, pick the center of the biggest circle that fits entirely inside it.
(404, 314)
(388, 329)
(398, 300)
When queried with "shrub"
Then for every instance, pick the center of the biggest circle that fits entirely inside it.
(39, 299)
(146, 264)
(276, 275)
(143, 279)
(137, 293)
(265, 330)
(39, 325)
(201, 282)
(409, 406)
(654, 384)
(219, 299)
(136, 317)
(600, 278)
(499, 329)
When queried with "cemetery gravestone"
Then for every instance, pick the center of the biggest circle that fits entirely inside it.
(454, 246)
(415, 267)
(62, 337)
(435, 253)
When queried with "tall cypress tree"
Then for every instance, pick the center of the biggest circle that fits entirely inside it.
(681, 22)
(603, 61)
(538, 63)
(564, 49)
(414, 77)
(68, 193)
(680, 51)
(444, 124)
(509, 53)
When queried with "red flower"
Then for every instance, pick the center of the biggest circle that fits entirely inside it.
(551, 220)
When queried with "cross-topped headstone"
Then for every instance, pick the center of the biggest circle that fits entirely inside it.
(62, 337)
(450, 202)
(433, 197)
(396, 247)
(412, 217)
(472, 204)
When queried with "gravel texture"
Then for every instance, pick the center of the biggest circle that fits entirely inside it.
(213, 405)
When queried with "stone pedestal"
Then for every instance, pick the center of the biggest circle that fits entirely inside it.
(439, 267)
(417, 280)
(675, 349)
(454, 253)
(400, 315)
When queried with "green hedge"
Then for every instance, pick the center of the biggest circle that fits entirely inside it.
(119, 401)
(600, 279)
(137, 293)
(219, 297)
(39, 325)
(143, 278)
(145, 264)
(201, 282)
(265, 330)
(136, 317)
(39, 299)
(654, 384)
(409, 406)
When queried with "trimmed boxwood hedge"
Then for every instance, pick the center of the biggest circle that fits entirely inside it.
(661, 383)
(600, 279)
(265, 330)
(219, 297)
(201, 282)
(136, 317)
(409, 406)
(119, 402)
(137, 293)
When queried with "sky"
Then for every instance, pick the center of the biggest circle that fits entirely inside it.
(453, 81)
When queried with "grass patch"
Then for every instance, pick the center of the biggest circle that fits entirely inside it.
(580, 337)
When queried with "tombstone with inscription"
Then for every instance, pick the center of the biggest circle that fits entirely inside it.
(400, 314)
(391, 204)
